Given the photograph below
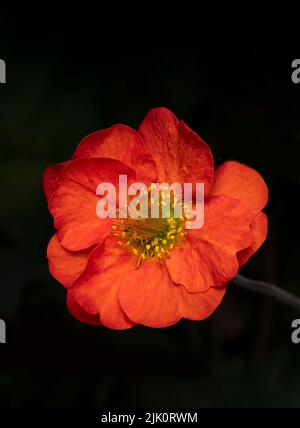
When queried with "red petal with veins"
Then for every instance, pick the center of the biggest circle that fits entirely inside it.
(181, 156)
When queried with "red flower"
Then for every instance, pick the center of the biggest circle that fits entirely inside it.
(119, 286)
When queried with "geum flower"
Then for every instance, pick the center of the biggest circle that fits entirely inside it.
(118, 286)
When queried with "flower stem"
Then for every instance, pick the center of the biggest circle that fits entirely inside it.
(268, 289)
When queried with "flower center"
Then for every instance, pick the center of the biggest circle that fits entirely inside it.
(151, 238)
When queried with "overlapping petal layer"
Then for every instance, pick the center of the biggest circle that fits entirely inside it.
(259, 227)
(121, 143)
(245, 184)
(80, 314)
(66, 266)
(241, 182)
(208, 256)
(126, 295)
(98, 288)
(50, 179)
(73, 205)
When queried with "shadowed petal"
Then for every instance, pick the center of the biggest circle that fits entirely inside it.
(259, 227)
(76, 310)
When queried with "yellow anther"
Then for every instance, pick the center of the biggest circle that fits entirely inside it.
(164, 241)
(143, 256)
(172, 237)
(123, 234)
(135, 251)
(114, 226)
(157, 249)
(148, 247)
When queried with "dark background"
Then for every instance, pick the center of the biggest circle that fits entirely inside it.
(229, 82)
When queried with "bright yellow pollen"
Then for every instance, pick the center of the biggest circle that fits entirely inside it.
(152, 238)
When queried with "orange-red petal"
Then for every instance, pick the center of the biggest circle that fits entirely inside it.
(259, 227)
(121, 143)
(123, 295)
(79, 313)
(50, 178)
(149, 297)
(97, 289)
(181, 156)
(73, 205)
(64, 265)
(208, 256)
(241, 182)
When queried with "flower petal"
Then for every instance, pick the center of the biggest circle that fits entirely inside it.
(241, 182)
(121, 143)
(65, 266)
(97, 289)
(73, 205)
(208, 256)
(181, 156)
(259, 227)
(79, 313)
(149, 297)
(122, 294)
(50, 179)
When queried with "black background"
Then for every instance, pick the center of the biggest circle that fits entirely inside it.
(230, 81)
